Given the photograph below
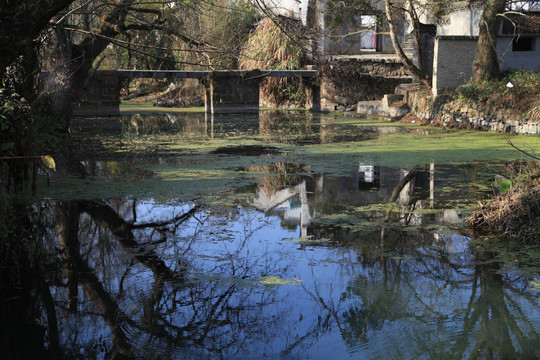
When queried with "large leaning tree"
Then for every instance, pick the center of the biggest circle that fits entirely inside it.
(394, 15)
(21, 21)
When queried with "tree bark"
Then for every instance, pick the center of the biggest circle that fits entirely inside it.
(21, 22)
(486, 63)
(73, 62)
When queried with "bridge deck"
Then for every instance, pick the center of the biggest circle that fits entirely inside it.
(192, 74)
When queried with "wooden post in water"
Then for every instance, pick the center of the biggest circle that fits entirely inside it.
(227, 92)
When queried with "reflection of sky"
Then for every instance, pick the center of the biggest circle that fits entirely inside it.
(340, 302)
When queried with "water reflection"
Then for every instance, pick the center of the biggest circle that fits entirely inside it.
(421, 198)
(303, 265)
(287, 127)
(156, 277)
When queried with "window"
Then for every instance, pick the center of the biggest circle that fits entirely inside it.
(524, 44)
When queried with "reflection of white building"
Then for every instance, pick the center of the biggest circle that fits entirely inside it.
(292, 202)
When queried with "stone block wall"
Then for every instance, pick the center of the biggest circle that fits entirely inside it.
(101, 95)
(452, 63)
(446, 111)
(345, 83)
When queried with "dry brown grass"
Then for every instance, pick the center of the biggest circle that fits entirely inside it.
(276, 45)
(516, 212)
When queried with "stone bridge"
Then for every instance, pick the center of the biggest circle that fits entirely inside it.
(225, 91)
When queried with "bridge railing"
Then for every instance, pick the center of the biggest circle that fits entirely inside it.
(199, 74)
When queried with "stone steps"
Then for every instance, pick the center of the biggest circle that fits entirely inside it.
(391, 106)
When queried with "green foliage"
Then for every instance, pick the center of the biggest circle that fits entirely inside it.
(467, 92)
(14, 132)
(505, 186)
(523, 94)
(210, 35)
(12, 107)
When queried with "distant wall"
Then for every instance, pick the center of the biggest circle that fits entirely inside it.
(518, 60)
(345, 83)
(452, 62)
(232, 94)
(101, 95)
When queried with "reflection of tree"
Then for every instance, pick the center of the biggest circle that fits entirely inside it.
(103, 214)
(411, 284)
(497, 316)
(77, 270)
(22, 286)
(215, 308)
(415, 283)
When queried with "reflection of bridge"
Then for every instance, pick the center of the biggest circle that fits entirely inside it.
(228, 91)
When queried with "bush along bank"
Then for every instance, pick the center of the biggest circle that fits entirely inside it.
(515, 211)
(511, 104)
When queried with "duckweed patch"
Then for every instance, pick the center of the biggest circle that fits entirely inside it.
(276, 281)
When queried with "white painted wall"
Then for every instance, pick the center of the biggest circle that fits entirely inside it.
(518, 60)
(462, 22)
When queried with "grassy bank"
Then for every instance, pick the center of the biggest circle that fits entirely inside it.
(518, 90)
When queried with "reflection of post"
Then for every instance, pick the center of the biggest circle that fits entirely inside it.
(305, 217)
(68, 242)
(209, 117)
(432, 185)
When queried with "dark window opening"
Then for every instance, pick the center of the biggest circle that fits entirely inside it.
(523, 44)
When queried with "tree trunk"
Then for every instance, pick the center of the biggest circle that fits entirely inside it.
(486, 63)
(409, 65)
(20, 23)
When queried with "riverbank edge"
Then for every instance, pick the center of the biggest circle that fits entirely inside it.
(447, 111)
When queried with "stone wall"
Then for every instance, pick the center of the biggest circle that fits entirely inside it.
(345, 83)
(444, 111)
(384, 66)
(452, 63)
(457, 114)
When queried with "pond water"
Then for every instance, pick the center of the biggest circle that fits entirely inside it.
(279, 235)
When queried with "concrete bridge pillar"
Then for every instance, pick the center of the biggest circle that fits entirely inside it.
(226, 93)
(313, 93)
(101, 95)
